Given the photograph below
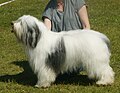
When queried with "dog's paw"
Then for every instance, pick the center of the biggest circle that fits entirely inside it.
(45, 85)
(101, 83)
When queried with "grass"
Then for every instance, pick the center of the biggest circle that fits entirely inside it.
(15, 73)
(2, 1)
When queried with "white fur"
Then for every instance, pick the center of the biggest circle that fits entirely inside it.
(86, 48)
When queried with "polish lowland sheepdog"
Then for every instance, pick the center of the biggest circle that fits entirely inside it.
(51, 53)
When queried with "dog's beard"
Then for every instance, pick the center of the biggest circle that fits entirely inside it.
(18, 31)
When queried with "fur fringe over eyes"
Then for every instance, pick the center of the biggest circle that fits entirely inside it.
(31, 32)
(51, 53)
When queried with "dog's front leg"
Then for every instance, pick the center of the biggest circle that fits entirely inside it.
(45, 78)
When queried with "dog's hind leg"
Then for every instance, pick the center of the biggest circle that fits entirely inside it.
(98, 67)
(103, 73)
(45, 78)
(106, 77)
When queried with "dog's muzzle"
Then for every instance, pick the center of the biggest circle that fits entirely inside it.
(12, 24)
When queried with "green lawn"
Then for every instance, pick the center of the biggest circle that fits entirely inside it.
(15, 73)
(2, 1)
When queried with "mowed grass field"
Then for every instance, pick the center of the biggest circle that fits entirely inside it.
(15, 73)
(2, 1)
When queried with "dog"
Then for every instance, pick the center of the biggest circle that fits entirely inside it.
(52, 53)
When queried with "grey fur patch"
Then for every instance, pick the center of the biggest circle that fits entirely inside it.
(56, 59)
(32, 35)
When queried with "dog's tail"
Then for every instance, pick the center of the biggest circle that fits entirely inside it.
(106, 40)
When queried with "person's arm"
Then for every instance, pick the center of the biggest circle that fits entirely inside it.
(47, 23)
(84, 17)
(47, 14)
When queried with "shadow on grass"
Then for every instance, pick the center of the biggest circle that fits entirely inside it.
(27, 77)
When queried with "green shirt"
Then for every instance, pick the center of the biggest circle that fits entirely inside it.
(66, 20)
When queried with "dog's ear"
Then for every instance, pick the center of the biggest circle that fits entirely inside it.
(33, 35)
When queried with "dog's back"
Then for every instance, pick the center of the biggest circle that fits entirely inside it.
(83, 45)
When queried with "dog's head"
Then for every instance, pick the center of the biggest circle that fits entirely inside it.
(26, 30)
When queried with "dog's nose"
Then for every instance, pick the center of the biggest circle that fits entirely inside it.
(12, 23)
(12, 31)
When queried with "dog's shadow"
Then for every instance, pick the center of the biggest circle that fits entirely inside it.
(27, 77)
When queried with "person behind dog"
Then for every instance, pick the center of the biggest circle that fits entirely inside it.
(65, 15)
